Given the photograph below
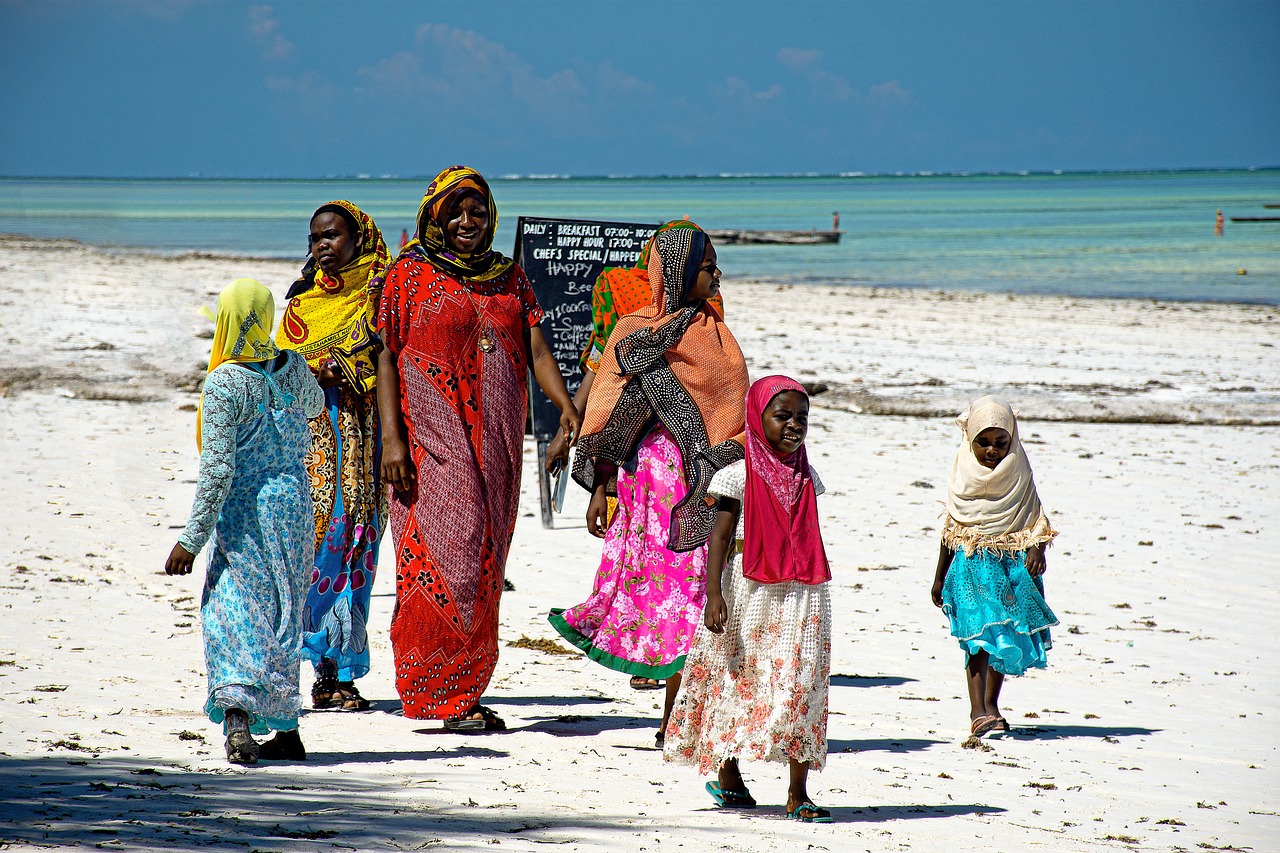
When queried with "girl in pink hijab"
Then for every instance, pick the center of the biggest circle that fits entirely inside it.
(757, 674)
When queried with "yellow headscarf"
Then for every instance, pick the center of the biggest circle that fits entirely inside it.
(246, 311)
(332, 317)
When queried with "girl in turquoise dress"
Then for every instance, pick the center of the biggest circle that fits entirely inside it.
(253, 498)
(989, 581)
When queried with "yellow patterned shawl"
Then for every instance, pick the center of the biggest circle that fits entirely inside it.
(242, 330)
(331, 317)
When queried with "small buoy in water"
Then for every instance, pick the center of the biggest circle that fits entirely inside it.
(1242, 271)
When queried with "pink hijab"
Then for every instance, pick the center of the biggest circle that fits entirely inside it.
(782, 541)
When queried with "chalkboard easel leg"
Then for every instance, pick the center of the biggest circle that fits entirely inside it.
(544, 485)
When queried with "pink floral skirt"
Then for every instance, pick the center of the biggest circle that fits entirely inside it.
(647, 601)
(759, 690)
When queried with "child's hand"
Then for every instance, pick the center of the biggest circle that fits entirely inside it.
(179, 562)
(716, 613)
(936, 592)
(598, 514)
(1035, 561)
(329, 376)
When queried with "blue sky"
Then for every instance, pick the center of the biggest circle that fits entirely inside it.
(316, 88)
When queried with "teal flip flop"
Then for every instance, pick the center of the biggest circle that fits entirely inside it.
(730, 799)
(817, 815)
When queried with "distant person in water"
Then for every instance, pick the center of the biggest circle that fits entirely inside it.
(1219, 222)
(835, 221)
(404, 238)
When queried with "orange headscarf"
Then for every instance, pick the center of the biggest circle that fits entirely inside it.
(619, 291)
(681, 364)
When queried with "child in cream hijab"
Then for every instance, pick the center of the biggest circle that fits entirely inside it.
(991, 562)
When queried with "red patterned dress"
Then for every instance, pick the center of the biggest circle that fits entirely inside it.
(465, 413)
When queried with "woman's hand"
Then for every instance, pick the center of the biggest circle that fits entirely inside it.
(936, 592)
(557, 453)
(1035, 561)
(571, 424)
(329, 376)
(397, 466)
(716, 614)
(179, 562)
(598, 513)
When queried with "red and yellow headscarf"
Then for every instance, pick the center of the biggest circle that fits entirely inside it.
(484, 264)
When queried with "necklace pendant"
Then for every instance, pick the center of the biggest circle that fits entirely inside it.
(485, 344)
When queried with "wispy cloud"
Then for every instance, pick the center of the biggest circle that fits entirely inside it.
(807, 62)
(889, 92)
(447, 60)
(740, 90)
(265, 29)
(797, 59)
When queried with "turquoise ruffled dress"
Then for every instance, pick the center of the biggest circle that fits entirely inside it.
(996, 607)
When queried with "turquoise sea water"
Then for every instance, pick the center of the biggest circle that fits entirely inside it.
(1142, 234)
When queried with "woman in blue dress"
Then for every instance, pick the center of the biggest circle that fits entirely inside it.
(989, 581)
(253, 498)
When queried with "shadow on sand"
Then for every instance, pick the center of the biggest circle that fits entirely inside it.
(337, 759)
(882, 814)
(576, 725)
(839, 679)
(126, 803)
(1051, 732)
(898, 745)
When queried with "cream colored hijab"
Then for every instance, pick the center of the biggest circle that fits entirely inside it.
(992, 509)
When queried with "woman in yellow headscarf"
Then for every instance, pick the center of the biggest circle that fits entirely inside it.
(253, 500)
(329, 320)
(460, 325)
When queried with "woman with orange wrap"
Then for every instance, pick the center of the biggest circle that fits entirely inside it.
(665, 413)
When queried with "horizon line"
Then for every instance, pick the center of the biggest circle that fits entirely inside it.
(551, 176)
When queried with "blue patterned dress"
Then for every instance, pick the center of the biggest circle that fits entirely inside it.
(254, 485)
(995, 606)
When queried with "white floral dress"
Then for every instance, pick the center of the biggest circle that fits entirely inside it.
(758, 690)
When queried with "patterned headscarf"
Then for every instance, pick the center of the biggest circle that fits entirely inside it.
(484, 264)
(681, 364)
(781, 540)
(245, 313)
(331, 316)
(619, 291)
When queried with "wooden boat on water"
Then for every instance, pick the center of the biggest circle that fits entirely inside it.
(744, 237)
(1255, 219)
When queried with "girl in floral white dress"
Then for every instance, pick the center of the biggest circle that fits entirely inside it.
(757, 673)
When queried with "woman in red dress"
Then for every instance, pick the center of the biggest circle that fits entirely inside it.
(460, 325)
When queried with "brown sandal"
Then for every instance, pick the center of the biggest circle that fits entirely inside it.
(348, 698)
(979, 726)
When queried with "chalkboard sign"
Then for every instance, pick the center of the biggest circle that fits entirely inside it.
(563, 258)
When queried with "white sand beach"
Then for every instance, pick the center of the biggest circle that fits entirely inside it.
(1152, 428)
